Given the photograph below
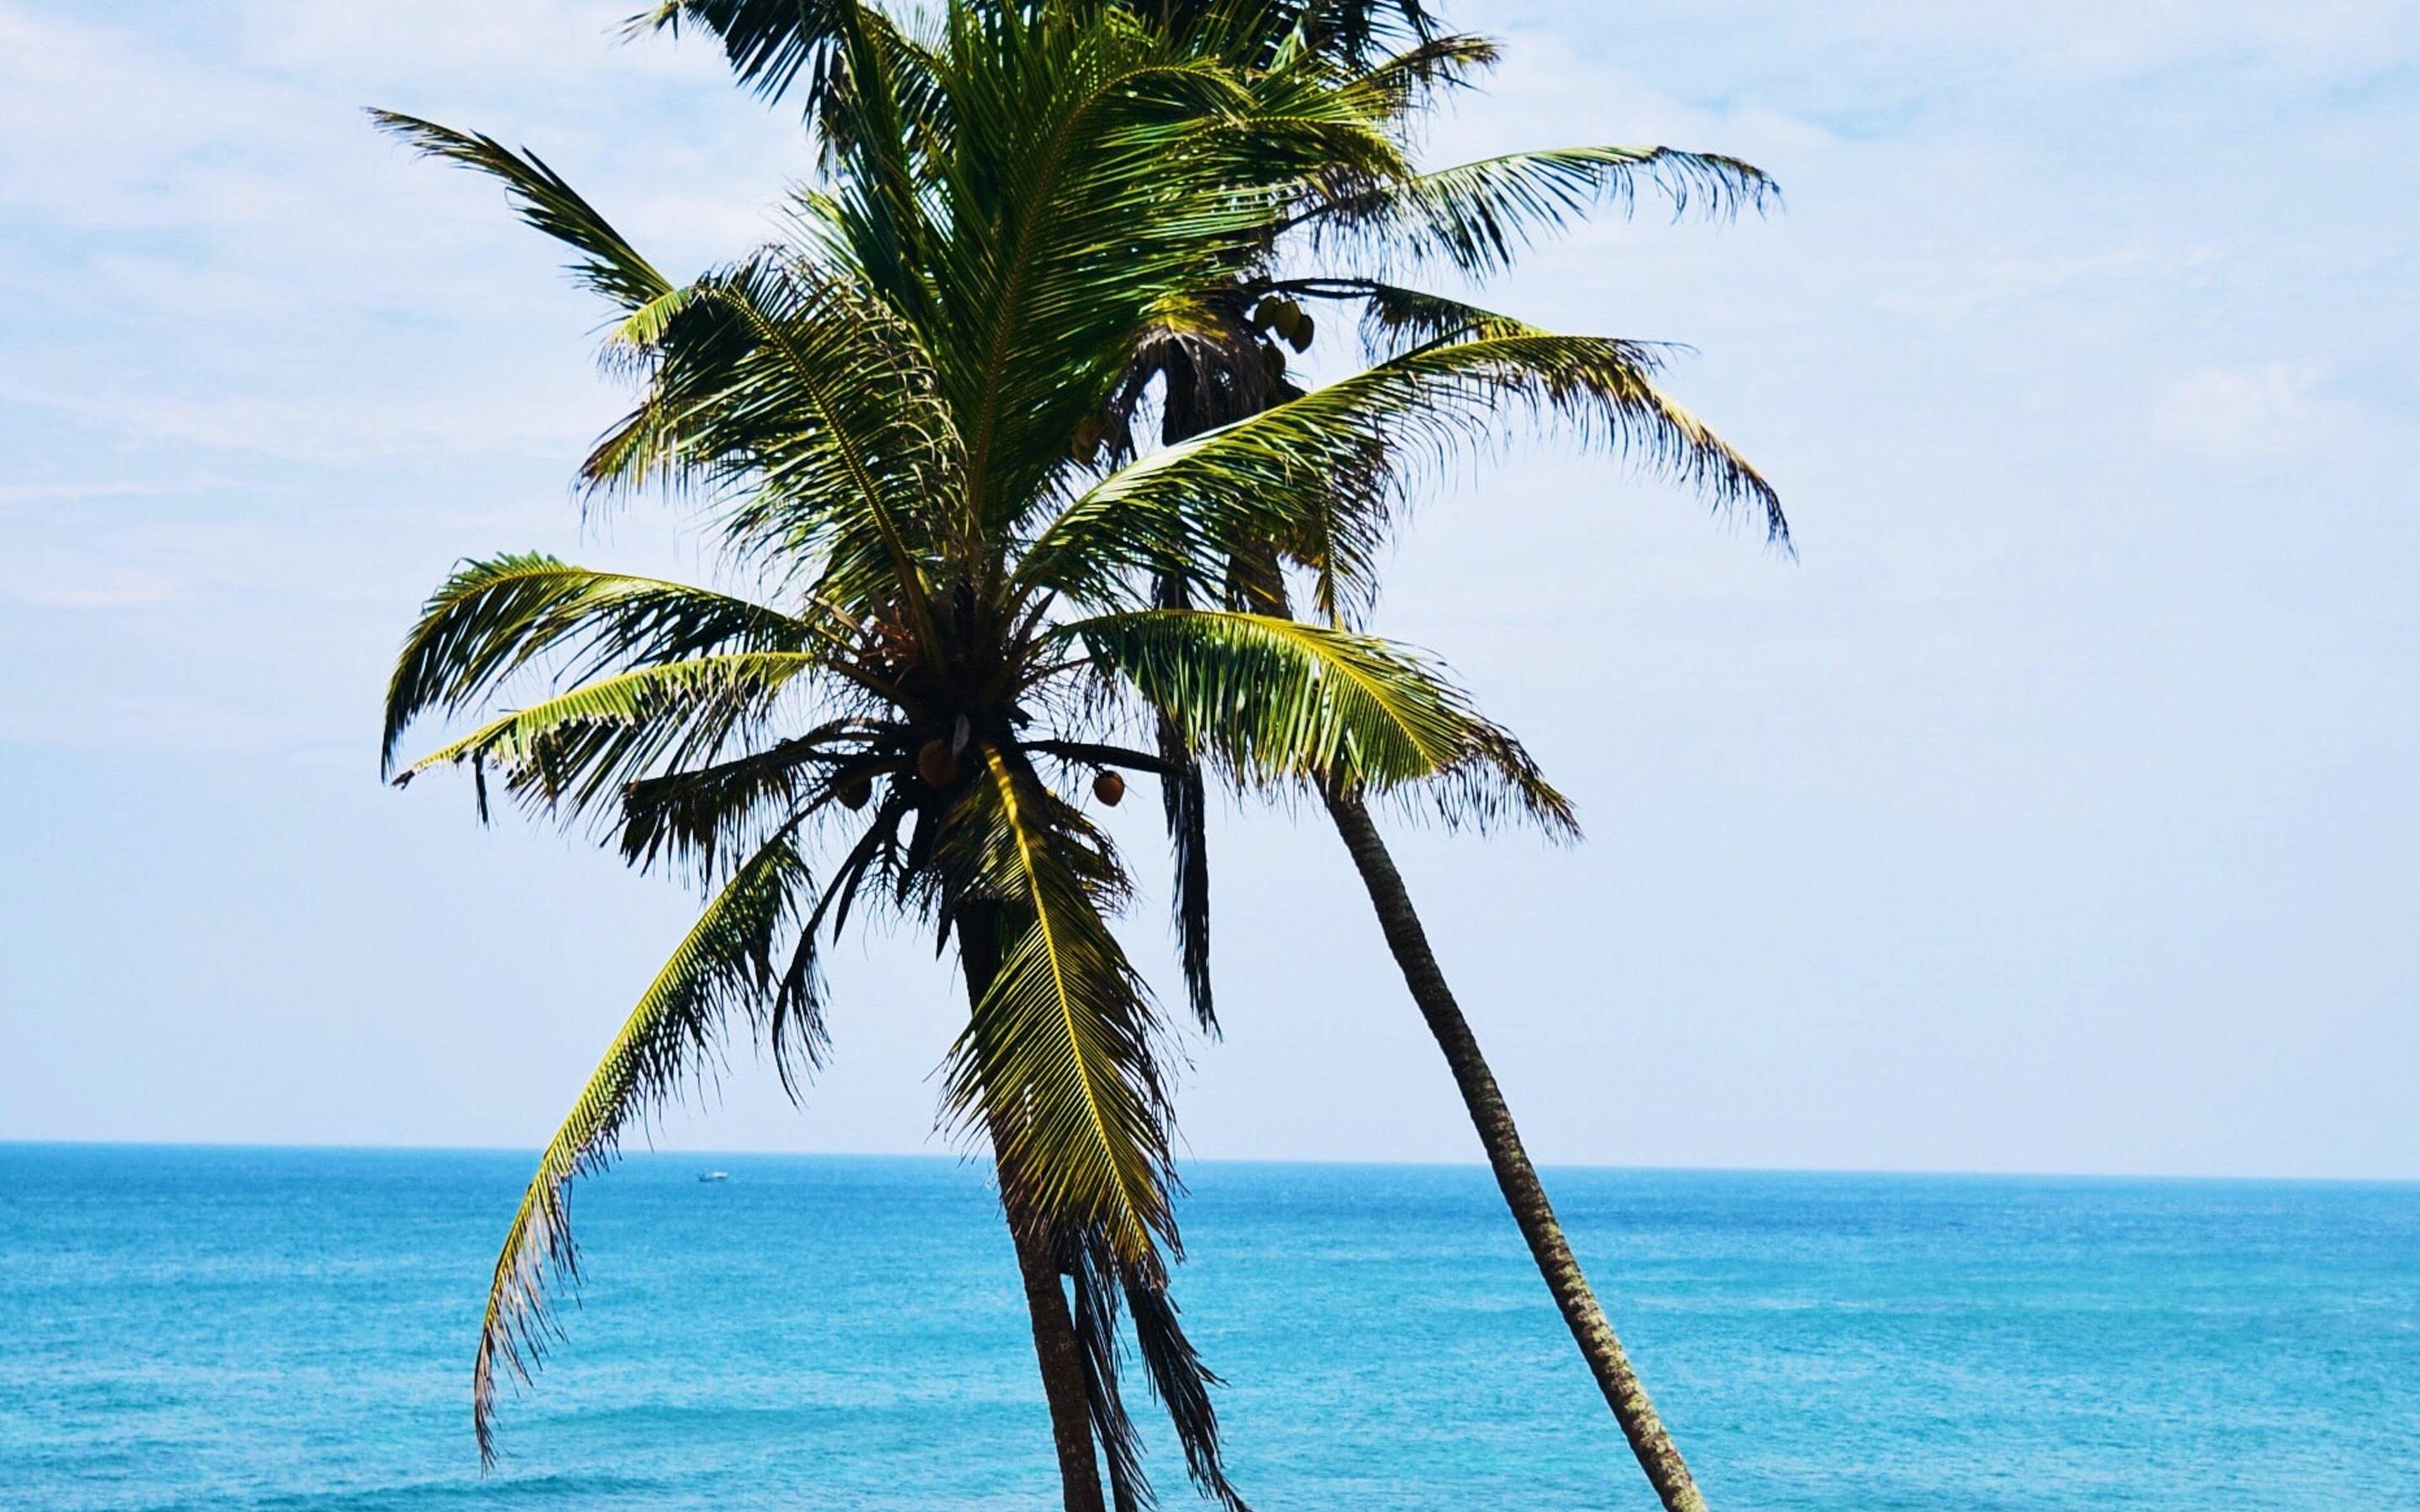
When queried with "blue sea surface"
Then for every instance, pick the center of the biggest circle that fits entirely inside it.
(292, 1328)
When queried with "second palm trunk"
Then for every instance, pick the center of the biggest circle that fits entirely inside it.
(1607, 1359)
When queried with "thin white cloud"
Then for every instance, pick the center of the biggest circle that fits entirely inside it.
(2248, 413)
(1954, 291)
(107, 589)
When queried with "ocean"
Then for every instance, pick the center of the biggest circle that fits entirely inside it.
(207, 1328)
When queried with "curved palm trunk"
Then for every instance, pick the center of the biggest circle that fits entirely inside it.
(1055, 1348)
(1518, 1178)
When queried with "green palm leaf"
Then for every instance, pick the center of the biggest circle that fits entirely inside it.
(1478, 216)
(1277, 700)
(1315, 474)
(496, 618)
(608, 265)
(808, 408)
(725, 963)
(567, 751)
(1057, 1058)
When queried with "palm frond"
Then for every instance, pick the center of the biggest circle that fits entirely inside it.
(1185, 803)
(608, 264)
(565, 752)
(1279, 701)
(1057, 1058)
(1397, 320)
(1480, 216)
(771, 45)
(724, 965)
(1094, 1300)
(1315, 474)
(807, 409)
(497, 617)
(1403, 83)
(1182, 1381)
(692, 816)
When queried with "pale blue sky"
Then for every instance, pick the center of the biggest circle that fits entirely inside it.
(2056, 812)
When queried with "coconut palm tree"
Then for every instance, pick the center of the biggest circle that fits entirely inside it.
(1474, 218)
(1229, 362)
(960, 622)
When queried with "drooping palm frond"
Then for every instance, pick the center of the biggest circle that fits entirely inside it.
(1478, 216)
(1057, 1060)
(1181, 1381)
(1094, 1300)
(1300, 475)
(725, 965)
(1174, 1369)
(1280, 701)
(498, 617)
(1184, 804)
(565, 753)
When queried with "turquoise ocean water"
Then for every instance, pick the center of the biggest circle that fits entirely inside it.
(257, 1327)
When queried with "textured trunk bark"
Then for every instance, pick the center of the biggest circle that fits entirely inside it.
(1605, 1357)
(1063, 1376)
(1055, 1348)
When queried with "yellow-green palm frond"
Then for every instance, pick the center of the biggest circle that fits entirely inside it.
(565, 753)
(1057, 1064)
(1316, 476)
(493, 619)
(735, 958)
(1276, 701)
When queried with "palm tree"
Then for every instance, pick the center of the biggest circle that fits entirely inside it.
(1473, 217)
(887, 416)
(1230, 364)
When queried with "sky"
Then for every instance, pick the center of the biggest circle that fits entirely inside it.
(2055, 810)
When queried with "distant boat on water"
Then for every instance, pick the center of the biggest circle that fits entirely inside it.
(714, 1176)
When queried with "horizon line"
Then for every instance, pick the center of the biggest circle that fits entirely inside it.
(333, 1146)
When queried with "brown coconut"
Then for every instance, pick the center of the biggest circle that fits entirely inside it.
(934, 763)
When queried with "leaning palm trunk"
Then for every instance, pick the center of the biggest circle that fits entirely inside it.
(1190, 410)
(1607, 1359)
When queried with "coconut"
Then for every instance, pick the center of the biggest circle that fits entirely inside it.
(934, 763)
(1269, 312)
(1109, 787)
(1301, 334)
(854, 793)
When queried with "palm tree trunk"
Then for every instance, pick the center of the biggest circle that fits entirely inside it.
(1518, 1178)
(1055, 1348)
(1062, 1373)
